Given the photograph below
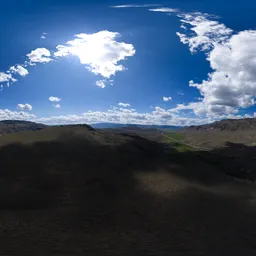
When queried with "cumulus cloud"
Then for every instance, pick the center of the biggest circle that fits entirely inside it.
(122, 104)
(181, 94)
(232, 83)
(164, 9)
(57, 105)
(54, 99)
(39, 55)
(6, 114)
(24, 107)
(167, 98)
(20, 70)
(134, 5)
(115, 115)
(4, 77)
(99, 52)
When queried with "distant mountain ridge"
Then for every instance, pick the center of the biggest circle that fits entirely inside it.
(10, 126)
(247, 124)
(142, 126)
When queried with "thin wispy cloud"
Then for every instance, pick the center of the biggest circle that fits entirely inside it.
(164, 9)
(57, 105)
(135, 5)
(122, 104)
(43, 35)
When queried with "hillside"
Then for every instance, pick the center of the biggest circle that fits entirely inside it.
(10, 126)
(66, 190)
(247, 124)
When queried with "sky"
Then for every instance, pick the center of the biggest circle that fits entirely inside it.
(178, 63)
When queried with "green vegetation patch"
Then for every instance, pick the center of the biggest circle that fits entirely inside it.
(170, 136)
(183, 148)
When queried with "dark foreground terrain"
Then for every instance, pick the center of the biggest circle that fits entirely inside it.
(72, 190)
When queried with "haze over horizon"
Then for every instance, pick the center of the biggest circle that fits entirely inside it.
(168, 63)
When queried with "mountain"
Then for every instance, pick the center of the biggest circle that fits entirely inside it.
(10, 126)
(247, 124)
(116, 125)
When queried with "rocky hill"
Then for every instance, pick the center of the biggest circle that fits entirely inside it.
(10, 126)
(247, 124)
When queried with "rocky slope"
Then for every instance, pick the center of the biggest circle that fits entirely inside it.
(10, 126)
(247, 124)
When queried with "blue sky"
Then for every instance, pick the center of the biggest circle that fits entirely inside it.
(169, 62)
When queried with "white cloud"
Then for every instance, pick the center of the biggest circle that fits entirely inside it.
(39, 55)
(125, 110)
(100, 52)
(203, 109)
(101, 83)
(104, 82)
(122, 104)
(134, 5)
(57, 106)
(24, 107)
(183, 26)
(4, 77)
(54, 99)
(164, 9)
(232, 83)
(167, 98)
(199, 98)
(18, 69)
(44, 35)
(181, 94)
(157, 116)
(6, 114)
(206, 32)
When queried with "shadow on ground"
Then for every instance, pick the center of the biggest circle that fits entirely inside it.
(71, 196)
